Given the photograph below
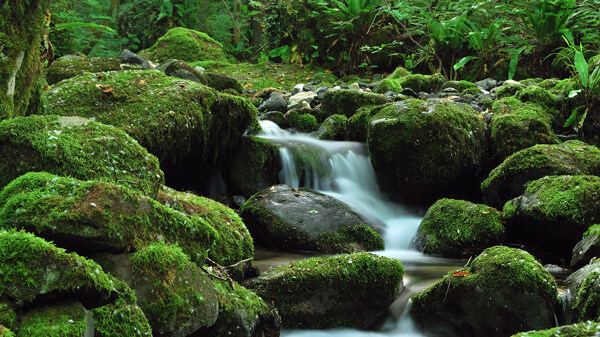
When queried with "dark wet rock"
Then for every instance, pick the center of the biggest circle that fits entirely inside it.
(409, 92)
(487, 84)
(584, 285)
(274, 103)
(348, 290)
(127, 56)
(284, 218)
(504, 291)
(586, 249)
(223, 83)
(185, 75)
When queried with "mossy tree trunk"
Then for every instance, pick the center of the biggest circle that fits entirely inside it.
(21, 33)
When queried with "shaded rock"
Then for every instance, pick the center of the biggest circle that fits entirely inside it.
(586, 249)
(223, 83)
(487, 84)
(39, 269)
(76, 147)
(333, 128)
(346, 102)
(243, 314)
(185, 44)
(185, 75)
(71, 66)
(504, 291)
(348, 290)
(127, 56)
(93, 216)
(65, 318)
(584, 285)
(508, 180)
(284, 218)
(554, 212)
(276, 117)
(274, 103)
(458, 228)
(422, 151)
(177, 120)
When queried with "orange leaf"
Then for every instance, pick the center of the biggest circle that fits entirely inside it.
(98, 85)
(45, 88)
(460, 273)
(108, 90)
(328, 71)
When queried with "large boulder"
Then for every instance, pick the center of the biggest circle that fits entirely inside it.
(181, 122)
(517, 126)
(504, 291)
(508, 180)
(72, 65)
(422, 150)
(94, 216)
(176, 296)
(458, 228)
(554, 212)
(346, 102)
(305, 220)
(65, 318)
(22, 34)
(76, 147)
(185, 44)
(333, 128)
(348, 290)
(35, 270)
(243, 314)
(584, 286)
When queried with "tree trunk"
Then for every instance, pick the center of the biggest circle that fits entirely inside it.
(237, 14)
(21, 32)
(256, 26)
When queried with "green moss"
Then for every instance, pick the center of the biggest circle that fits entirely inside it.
(347, 102)
(464, 85)
(508, 90)
(71, 66)
(250, 167)
(233, 242)
(58, 319)
(426, 83)
(6, 332)
(471, 91)
(583, 329)
(95, 213)
(177, 120)
(591, 230)
(487, 103)
(388, 85)
(338, 242)
(8, 316)
(73, 146)
(358, 124)
(303, 122)
(549, 83)
(187, 45)
(373, 281)
(333, 128)
(122, 318)
(457, 228)
(538, 95)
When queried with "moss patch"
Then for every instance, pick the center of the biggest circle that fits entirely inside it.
(583, 329)
(185, 44)
(68, 318)
(346, 102)
(302, 121)
(71, 66)
(333, 128)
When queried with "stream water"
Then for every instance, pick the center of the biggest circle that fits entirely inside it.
(343, 170)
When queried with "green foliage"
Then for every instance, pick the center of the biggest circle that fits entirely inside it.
(550, 18)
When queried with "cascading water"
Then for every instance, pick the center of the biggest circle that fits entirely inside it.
(343, 170)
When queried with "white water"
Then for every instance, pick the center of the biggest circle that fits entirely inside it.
(344, 171)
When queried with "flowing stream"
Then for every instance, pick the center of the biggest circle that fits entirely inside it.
(343, 170)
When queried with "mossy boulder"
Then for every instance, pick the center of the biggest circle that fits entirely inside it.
(176, 296)
(179, 121)
(586, 249)
(32, 268)
(555, 211)
(302, 121)
(21, 32)
(426, 83)
(72, 65)
(348, 290)
(583, 329)
(358, 124)
(333, 128)
(94, 216)
(233, 242)
(458, 228)
(508, 180)
(8, 316)
(538, 95)
(504, 291)
(65, 318)
(584, 285)
(305, 220)
(509, 89)
(517, 125)
(388, 84)
(76, 147)
(6, 332)
(177, 68)
(346, 102)
(424, 150)
(185, 44)
(243, 314)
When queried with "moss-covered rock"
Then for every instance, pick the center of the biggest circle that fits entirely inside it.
(243, 314)
(504, 291)
(538, 95)
(284, 218)
(346, 102)
(509, 89)
(76, 147)
(185, 44)
(508, 180)
(174, 68)
(458, 228)
(179, 121)
(584, 285)
(6, 332)
(302, 121)
(66, 318)
(8, 316)
(93, 216)
(421, 150)
(72, 65)
(253, 167)
(555, 211)
(233, 242)
(388, 84)
(326, 292)
(426, 83)
(517, 126)
(32, 267)
(583, 329)
(21, 33)
(586, 249)
(333, 128)
(358, 124)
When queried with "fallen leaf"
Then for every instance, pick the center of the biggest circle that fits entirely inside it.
(140, 82)
(485, 212)
(328, 71)
(182, 86)
(98, 85)
(46, 88)
(460, 273)
(108, 90)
